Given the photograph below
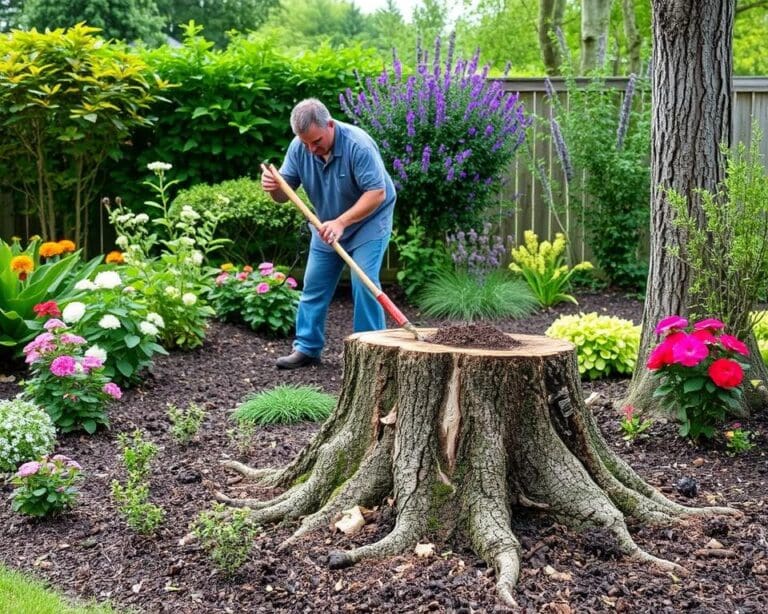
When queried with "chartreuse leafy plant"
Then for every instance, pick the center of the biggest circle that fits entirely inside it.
(68, 99)
(31, 275)
(543, 266)
(285, 404)
(226, 534)
(264, 298)
(46, 486)
(259, 228)
(700, 370)
(759, 320)
(26, 433)
(605, 345)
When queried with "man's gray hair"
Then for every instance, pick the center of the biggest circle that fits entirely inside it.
(308, 112)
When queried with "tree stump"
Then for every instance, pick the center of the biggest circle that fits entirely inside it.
(460, 436)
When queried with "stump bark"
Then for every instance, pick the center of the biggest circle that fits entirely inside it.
(460, 437)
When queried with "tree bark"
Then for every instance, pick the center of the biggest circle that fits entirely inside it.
(691, 69)
(595, 17)
(634, 40)
(461, 437)
(550, 19)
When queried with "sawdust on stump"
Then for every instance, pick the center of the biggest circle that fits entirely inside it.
(473, 335)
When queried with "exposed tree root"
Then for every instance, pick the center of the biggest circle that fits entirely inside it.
(473, 433)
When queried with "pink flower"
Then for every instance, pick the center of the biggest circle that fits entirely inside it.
(729, 342)
(704, 335)
(53, 324)
(28, 469)
(266, 268)
(629, 411)
(291, 282)
(63, 366)
(221, 278)
(689, 351)
(262, 288)
(113, 390)
(710, 324)
(726, 373)
(72, 339)
(278, 276)
(32, 357)
(242, 276)
(669, 324)
(92, 362)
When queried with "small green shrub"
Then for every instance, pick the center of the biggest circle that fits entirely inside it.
(185, 422)
(420, 258)
(286, 404)
(46, 486)
(226, 535)
(460, 296)
(259, 228)
(26, 432)
(604, 344)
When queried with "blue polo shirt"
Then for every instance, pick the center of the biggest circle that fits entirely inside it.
(354, 167)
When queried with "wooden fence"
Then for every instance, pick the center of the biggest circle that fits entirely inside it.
(750, 103)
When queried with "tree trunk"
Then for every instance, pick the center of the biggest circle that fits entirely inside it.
(691, 81)
(461, 437)
(595, 17)
(550, 19)
(634, 40)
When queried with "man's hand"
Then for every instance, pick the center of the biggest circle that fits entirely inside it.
(268, 182)
(331, 231)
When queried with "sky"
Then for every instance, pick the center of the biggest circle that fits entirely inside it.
(371, 6)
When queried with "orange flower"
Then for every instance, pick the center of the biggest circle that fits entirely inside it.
(50, 249)
(67, 246)
(115, 257)
(247, 269)
(23, 265)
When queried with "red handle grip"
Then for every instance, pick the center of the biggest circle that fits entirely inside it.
(392, 309)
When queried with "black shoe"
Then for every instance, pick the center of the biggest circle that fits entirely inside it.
(296, 361)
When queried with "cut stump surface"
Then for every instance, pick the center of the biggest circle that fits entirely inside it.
(460, 437)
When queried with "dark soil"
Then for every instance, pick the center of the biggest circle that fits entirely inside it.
(89, 552)
(475, 335)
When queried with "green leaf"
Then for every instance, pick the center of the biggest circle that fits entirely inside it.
(131, 341)
(693, 384)
(90, 426)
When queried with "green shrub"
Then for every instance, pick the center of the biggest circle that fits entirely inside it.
(286, 404)
(185, 422)
(760, 329)
(26, 432)
(460, 296)
(260, 229)
(604, 344)
(420, 258)
(46, 486)
(226, 535)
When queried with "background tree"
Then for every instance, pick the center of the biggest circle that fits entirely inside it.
(550, 21)
(595, 19)
(128, 20)
(10, 12)
(690, 120)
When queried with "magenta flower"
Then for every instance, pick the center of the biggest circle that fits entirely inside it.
(711, 324)
(28, 469)
(53, 324)
(291, 282)
(72, 339)
(669, 324)
(113, 390)
(729, 342)
(262, 288)
(689, 351)
(266, 268)
(92, 362)
(704, 335)
(62, 366)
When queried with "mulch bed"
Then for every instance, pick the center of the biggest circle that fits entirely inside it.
(89, 552)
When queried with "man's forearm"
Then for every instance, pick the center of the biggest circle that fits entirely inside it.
(278, 196)
(365, 205)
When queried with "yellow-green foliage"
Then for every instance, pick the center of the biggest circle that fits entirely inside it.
(760, 328)
(604, 344)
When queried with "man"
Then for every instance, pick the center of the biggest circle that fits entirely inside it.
(343, 173)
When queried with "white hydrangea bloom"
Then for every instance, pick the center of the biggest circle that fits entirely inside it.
(148, 328)
(85, 284)
(109, 322)
(122, 242)
(196, 258)
(188, 213)
(107, 280)
(73, 312)
(189, 299)
(156, 319)
(172, 291)
(97, 352)
(141, 218)
(159, 166)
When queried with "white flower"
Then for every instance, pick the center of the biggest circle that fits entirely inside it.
(108, 280)
(196, 258)
(189, 299)
(172, 291)
(125, 218)
(159, 166)
(142, 218)
(148, 328)
(156, 319)
(96, 352)
(188, 213)
(187, 241)
(110, 322)
(85, 284)
(122, 242)
(73, 312)
(129, 290)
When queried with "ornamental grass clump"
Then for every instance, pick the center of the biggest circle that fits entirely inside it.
(446, 134)
(700, 370)
(46, 486)
(26, 433)
(264, 298)
(286, 404)
(543, 266)
(605, 345)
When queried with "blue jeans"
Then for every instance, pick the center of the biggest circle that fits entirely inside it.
(320, 280)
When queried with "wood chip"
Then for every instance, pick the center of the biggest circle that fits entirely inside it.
(424, 551)
(723, 553)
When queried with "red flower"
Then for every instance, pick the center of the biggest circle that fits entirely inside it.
(48, 308)
(661, 356)
(709, 324)
(729, 342)
(704, 335)
(726, 373)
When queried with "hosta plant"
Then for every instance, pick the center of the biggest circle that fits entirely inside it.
(700, 371)
(26, 433)
(605, 345)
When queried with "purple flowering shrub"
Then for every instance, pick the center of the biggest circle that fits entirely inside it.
(446, 133)
(45, 486)
(476, 253)
(68, 380)
(264, 298)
